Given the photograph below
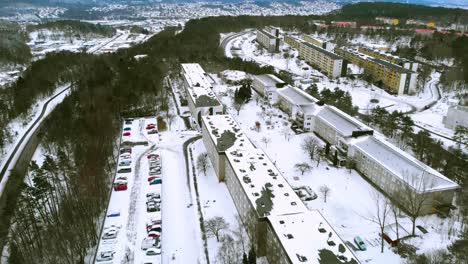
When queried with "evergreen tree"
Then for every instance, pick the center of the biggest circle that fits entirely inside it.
(252, 255)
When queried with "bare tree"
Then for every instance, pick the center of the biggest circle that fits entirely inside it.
(395, 211)
(414, 195)
(303, 167)
(229, 252)
(238, 104)
(379, 214)
(325, 190)
(265, 140)
(310, 146)
(320, 154)
(286, 132)
(170, 118)
(202, 162)
(215, 226)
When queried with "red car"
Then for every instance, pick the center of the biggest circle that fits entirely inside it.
(150, 126)
(120, 186)
(126, 134)
(152, 177)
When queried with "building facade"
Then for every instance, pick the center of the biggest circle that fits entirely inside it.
(317, 41)
(299, 105)
(269, 38)
(392, 77)
(266, 85)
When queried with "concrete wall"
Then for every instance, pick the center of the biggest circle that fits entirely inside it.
(217, 161)
(274, 252)
(456, 116)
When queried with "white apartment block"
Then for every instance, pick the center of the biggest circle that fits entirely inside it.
(456, 116)
(396, 173)
(268, 40)
(299, 105)
(305, 238)
(266, 85)
(198, 89)
(220, 133)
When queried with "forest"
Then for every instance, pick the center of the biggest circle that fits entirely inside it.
(13, 48)
(74, 27)
(56, 218)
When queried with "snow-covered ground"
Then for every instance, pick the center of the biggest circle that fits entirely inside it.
(19, 126)
(45, 41)
(350, 201)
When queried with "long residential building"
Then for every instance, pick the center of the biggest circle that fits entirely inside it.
(378, 54)
(266, 203)
(198, 89)
(269, 38)
(318, 41)
(394, 78)
(401, 176)
(328, 62)
(266, 85)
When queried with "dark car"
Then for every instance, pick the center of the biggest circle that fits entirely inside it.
(124, 170)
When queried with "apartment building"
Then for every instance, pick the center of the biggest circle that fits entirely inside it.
(200, 98)
(269, 38)
(392, 77)
(388, 20)
(221, 132)
(299, 105)
(397, 173)
(305, 238)
(378, 54)
(258, 190)
(318, 41)
(328, 62)
(266, 85)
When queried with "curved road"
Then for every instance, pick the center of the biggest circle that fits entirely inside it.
(28, 132)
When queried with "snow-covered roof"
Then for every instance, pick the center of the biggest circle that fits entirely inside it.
(199, 86)
(268, 191)
(268, 80)
(407, 168)
(329, 54)
(388, 55)
(296, 96)
(341, 121)
(306, 238)
(225, 133)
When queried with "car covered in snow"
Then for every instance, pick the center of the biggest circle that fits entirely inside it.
(126, 150)
(154, 234)
(105, 256)
(153, 207)
(149, 242)
(124, 170)
(110, 233)
(125, 163)
(152, 131)
(154, 251)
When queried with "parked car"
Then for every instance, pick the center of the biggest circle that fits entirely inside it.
(105, 256)
(126, 156)
(153, 221)
(154, 228)
(126, 134)
(360, 244)
(156, 173)
(125, 163)
(156, 181)
(110, 233)
(128, 122)
(154, 234)
(152, 155)
(124, 170)
(155, 169)
(149, 242)
(120, 185)
(121, 178)
(125, 150)
(422, 229)
(150, 126)
(153, 251)
(127, 129)
(153, 207)
(152, 131)
(152, 177)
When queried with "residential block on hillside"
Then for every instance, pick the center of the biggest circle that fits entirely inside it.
(266, 85)
(394, 78)
(200, 98)
(269, 38)
(328, 62)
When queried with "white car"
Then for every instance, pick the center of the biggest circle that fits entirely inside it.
(105, 256)
(153, 251)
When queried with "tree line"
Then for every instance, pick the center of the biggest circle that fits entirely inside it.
(74, 27)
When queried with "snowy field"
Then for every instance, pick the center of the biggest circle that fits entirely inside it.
(350, 200)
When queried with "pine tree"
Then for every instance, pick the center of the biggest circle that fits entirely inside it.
(252, 256)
